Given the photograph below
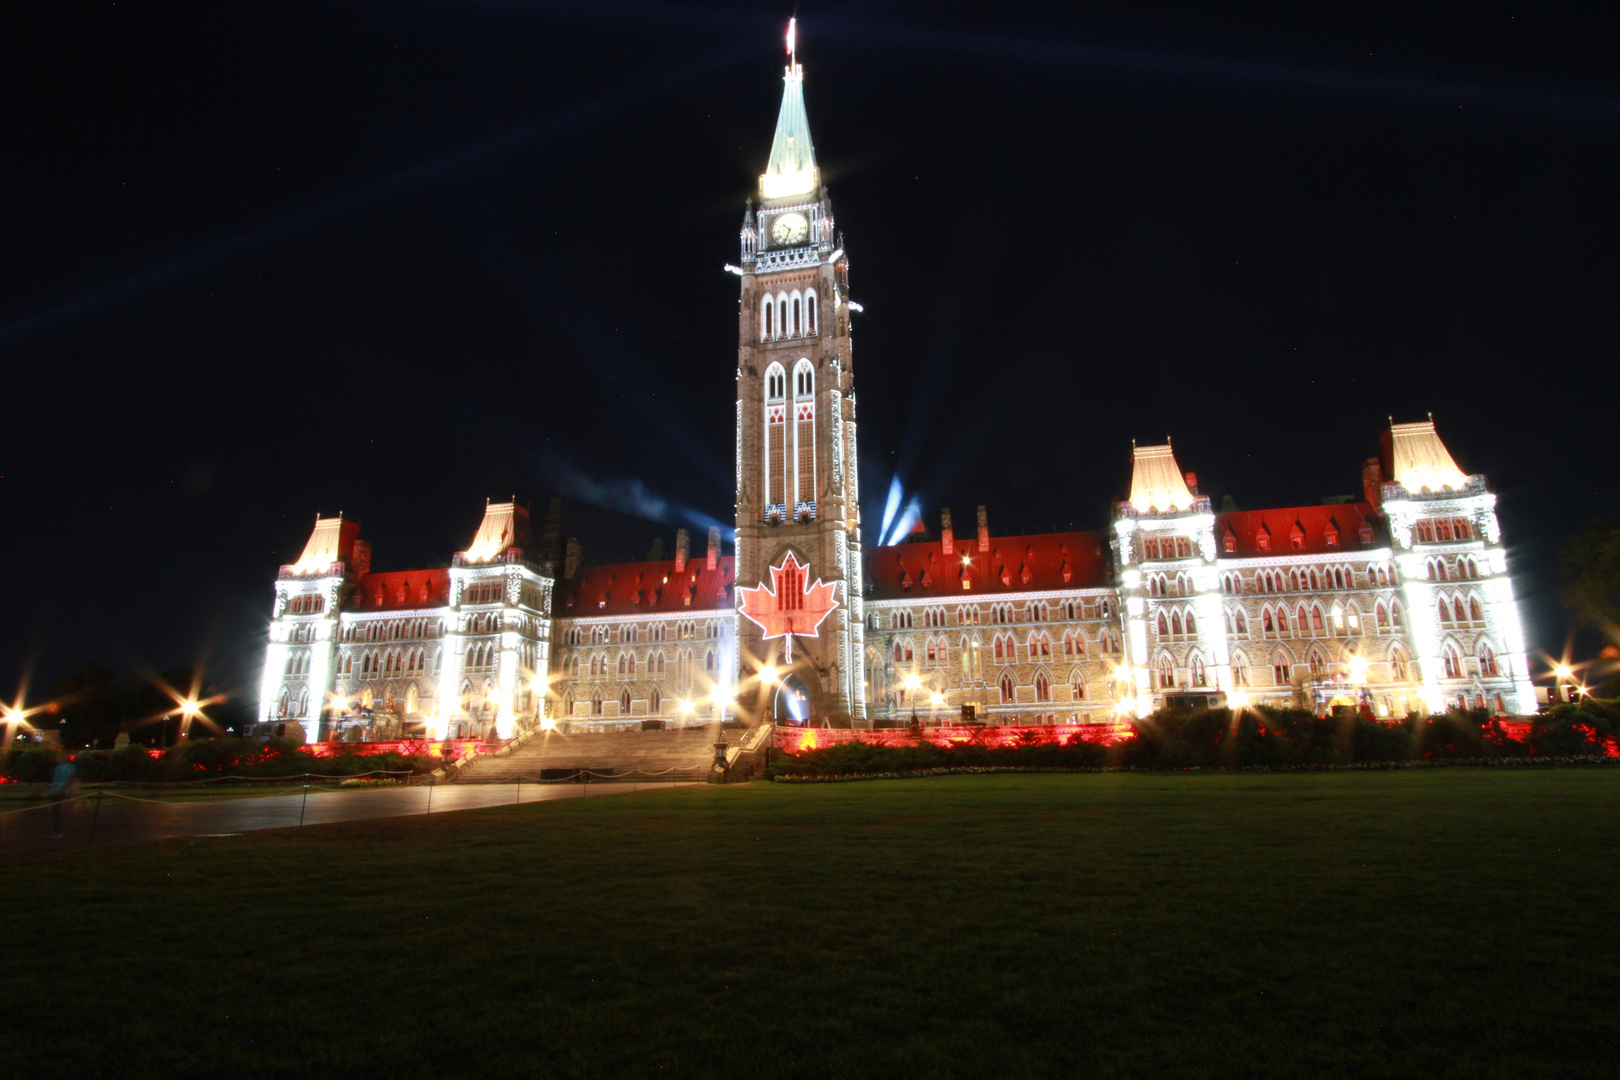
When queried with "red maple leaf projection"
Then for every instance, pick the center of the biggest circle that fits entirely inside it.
(790, 605)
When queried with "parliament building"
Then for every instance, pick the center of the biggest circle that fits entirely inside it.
(1399, 602)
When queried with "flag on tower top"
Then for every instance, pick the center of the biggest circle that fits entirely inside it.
(792, 166)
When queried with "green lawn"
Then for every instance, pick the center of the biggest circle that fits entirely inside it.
(1453, 922)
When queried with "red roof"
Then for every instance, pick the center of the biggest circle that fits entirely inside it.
(1073, 560)
(646, 587)
(1307, 530)
(400, 589)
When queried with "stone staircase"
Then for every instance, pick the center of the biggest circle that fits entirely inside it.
(639, 755)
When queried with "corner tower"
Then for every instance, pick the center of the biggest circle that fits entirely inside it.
(796, 463)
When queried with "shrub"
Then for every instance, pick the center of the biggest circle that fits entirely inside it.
(1251, 738)
(32, 764)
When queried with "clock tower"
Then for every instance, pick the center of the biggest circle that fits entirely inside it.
(798, 518)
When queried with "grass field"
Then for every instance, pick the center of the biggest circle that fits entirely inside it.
(1454, 922)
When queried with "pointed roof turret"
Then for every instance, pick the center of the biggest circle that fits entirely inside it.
(1156, 482)
(505, 526)
(1421, 460)
(792, 167)
(331, 541)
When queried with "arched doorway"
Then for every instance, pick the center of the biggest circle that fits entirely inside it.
(791, 705)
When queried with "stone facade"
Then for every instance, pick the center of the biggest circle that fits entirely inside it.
(1395, 603)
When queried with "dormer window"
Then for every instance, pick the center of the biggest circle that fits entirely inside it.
(1229, 541)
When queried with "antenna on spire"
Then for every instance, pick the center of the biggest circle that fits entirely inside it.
(792, 38)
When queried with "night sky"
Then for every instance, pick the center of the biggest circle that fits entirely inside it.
(264, 261)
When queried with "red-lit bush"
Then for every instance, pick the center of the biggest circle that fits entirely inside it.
(1249, 738)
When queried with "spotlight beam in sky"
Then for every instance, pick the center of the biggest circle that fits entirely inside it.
(932, 41)
(337, 206)
(626, 494)
(1171, 65)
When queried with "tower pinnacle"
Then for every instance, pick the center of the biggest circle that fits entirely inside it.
(792, 167)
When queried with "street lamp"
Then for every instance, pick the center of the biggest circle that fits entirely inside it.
(188, 709)
(912, 683)
(1562, 673)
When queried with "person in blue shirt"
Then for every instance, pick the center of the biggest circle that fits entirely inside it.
(64, 786)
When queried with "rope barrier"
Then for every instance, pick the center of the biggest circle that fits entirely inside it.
(250, 780)
(45, 805)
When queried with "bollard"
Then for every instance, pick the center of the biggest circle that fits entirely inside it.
(430, 795)
(519, 799)
(305, 801)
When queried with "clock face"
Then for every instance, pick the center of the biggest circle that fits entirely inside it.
(790, 229)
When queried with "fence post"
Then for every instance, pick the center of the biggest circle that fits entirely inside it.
(93, 818)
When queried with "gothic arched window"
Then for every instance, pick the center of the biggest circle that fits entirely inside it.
(810, 312)
(776, 436)
(804, 436)
(1280, 669)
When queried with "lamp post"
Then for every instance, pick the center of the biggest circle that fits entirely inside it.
(188, 709)
(767, 679)
(1561, 674)
(912, 684)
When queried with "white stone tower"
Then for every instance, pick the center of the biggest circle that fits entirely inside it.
(796, 463)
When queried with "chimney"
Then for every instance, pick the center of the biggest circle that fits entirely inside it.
(571, 559)
(551, 539)
(947, 538)
(1372, 478)
(1192, 482)
(713, 562)
(361, 558)
(984, 530)
(682, 544)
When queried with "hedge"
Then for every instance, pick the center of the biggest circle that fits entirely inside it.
(1250, 738)
(204, 759)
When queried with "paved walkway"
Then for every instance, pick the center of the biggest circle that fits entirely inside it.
(122, 821)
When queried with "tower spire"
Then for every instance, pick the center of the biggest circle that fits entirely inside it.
(792, 166)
